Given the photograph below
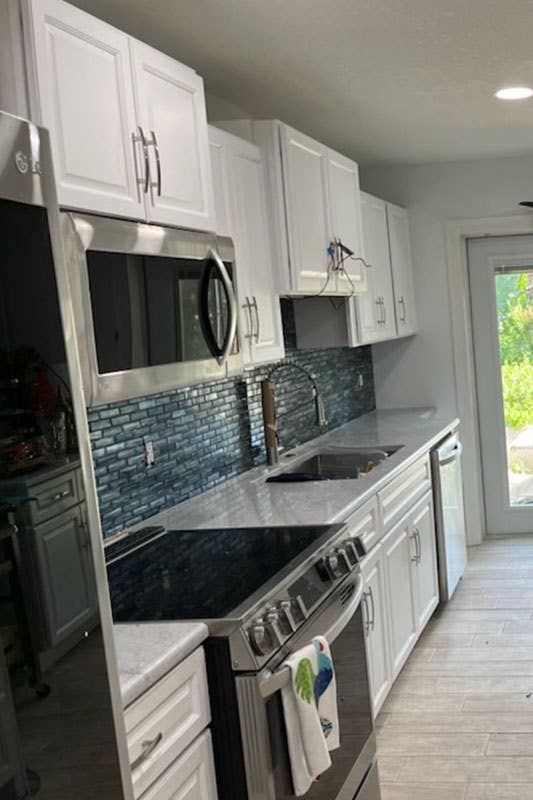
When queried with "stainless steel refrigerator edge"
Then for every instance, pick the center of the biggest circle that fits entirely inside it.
(26, 178)
(449, 514)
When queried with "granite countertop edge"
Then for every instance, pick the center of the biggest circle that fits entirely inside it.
(146, 651)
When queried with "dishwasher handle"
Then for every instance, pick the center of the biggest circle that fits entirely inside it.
(449, 456)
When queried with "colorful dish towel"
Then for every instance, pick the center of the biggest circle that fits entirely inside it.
(311, 716)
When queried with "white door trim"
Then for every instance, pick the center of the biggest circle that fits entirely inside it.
(457, 232)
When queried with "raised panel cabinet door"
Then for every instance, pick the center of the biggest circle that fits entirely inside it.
(427, 582)
(253, 254)
(81, 90)
(67, 590)
(403, 627)
(402, 269)
(218, 157)
(304, 179)
(375, 308)
(375, 618)
(345, 222)
(171, 110)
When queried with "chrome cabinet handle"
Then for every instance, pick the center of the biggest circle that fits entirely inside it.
(373, 607)
(157, 183)
(384, 311)
(140, 138)
(366, 614)
(250, 326)
(61, 495)
(415, 536)
(147, 748)
(401, 302)
(378, 303)
(256, 309)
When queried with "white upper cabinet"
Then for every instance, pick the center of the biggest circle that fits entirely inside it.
(240, 200)
(313, 198)
(171, 113)
(345, 222)
(375, 308)
(305, 191)
(127, 124)
(402, 269)
(81, 90)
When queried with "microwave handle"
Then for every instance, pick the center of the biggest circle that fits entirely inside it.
(220, 353)
(274, 681)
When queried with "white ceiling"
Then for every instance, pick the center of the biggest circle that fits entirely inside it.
(390, 81)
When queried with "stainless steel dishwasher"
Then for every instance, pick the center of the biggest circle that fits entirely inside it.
(449, 513)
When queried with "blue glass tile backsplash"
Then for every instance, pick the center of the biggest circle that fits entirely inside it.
(207, 433)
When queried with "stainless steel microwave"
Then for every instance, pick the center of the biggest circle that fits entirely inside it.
(155, 307)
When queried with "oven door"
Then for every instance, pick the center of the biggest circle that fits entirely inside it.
(268, 772)
(155, 307)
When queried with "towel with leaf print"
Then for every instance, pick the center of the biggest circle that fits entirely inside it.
(310, 710)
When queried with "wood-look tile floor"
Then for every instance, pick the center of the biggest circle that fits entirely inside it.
(458, 724)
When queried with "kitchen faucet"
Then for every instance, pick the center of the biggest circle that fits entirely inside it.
(268, 399)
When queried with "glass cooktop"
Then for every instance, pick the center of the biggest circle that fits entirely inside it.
(201, 574)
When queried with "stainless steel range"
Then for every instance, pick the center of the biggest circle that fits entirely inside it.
(264, 592)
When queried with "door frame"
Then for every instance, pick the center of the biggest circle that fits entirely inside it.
(457, 232)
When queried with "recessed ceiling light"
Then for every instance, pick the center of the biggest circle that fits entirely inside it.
(514, 93)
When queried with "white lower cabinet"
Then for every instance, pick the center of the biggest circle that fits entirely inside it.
(400, 594)
(397, 553)
(169, 745)
(191, 777)
(425, 566)
(376, 627)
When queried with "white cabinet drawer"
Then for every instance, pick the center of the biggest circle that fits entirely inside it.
(191, 777)
(398, 497)
(166, 719)
(364, 524)
(53, 497)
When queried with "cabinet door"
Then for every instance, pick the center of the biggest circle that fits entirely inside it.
(171, 111)
(376, 627)
(345, 222)
(80, 77)
(402, 269)
(253, 252)
(219, 170)
(304, 180)
(397, 554)
(375, 308)
(425, 567)
(67, 587)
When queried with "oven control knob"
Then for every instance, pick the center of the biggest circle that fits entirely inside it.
(261, 640)
(287, 622)
(336, 565)
(344, 559)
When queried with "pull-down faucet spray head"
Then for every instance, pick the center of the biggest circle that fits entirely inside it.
(269, 409)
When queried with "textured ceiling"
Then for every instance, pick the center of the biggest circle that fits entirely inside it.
(390, 81)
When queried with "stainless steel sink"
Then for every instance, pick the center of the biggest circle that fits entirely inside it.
(340, 465)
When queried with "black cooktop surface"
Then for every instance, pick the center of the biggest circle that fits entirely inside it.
(201, 574)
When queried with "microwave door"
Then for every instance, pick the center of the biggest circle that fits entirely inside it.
(217, 308)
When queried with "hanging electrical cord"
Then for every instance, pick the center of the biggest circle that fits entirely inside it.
(338, 254)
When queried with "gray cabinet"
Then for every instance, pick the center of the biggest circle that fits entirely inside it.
(55, 555)
(65, 574)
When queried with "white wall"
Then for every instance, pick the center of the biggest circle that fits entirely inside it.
(420, 371)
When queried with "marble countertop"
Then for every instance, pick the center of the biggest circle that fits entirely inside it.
(248, 501)
(148, 650)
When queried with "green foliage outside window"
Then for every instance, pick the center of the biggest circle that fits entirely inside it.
(514, 297)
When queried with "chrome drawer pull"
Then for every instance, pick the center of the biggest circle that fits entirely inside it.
(147, 748)
(61, 495)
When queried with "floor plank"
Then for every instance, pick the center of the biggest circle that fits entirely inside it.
(458, 724)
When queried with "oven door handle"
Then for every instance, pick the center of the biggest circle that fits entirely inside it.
(274, 681)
